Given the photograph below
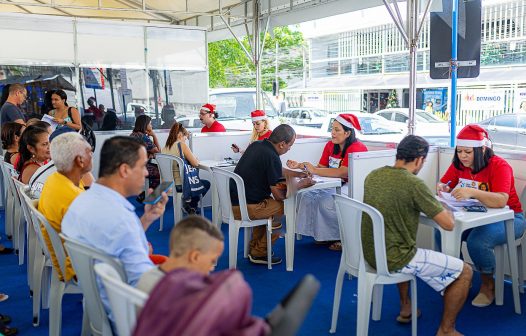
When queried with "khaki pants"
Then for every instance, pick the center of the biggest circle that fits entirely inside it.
(263, 210)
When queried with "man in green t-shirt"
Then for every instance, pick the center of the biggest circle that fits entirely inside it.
(400, 197)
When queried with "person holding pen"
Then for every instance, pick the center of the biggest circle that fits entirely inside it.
(476, 172)
(317, 212)
(261, 130)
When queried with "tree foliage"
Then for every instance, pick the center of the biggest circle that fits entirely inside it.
(229, 66)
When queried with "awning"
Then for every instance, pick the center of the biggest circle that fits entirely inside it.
(47, 83)
(488, 76)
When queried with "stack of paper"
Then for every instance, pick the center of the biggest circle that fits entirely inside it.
(453, 203)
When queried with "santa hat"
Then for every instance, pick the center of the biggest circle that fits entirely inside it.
(473, 136)
(349, 120)
(258, 115)
(209, 108)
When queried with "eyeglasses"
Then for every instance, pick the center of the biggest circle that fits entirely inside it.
(204, 113)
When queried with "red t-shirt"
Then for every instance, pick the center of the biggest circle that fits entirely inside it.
(265, 136)
(215, 127)
(496, 177)
(328, 159)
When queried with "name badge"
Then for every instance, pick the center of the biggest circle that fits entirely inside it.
(334, 162)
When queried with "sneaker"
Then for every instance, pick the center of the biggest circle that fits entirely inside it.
(187, 209)
(6, 250)
(263, 260)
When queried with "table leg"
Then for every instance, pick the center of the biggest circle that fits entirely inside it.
(290, 219)
(216, 210)
(512, 256)
(451, 242)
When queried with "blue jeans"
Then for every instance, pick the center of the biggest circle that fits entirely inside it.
(482, 240)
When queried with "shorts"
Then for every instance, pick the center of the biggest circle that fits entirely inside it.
(436, 269)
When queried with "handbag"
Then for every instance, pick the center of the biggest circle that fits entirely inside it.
(192, 185)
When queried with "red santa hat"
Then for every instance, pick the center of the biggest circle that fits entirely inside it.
(349, 120)
(258, 115)
(473, 136)
(208, 107)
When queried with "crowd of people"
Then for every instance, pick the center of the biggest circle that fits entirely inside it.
(56, 161)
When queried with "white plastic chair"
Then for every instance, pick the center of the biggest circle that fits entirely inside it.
(222, 179)
(14, 213)
(42, 267)
(125, 300)
(58, 288)
(502, 260)
(19, 238)
(84, 258)
(349, 213)
(9, 197)
(31, 235)
(165, 162)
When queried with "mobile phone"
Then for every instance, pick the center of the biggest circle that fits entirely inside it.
(475, 208)
(155, 196)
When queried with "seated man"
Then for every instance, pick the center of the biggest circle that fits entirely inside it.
(400, 197)
(73, 158)
(103, 218)
(261, 170)
(195, 244)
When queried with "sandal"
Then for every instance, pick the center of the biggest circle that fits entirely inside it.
(5, 319)
(3, 297)
(336, 246)
(407, 319)
(7, 331)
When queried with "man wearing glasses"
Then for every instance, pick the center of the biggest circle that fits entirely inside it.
(11, 111)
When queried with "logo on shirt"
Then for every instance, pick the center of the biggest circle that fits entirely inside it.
(334, 162)
(466, 183)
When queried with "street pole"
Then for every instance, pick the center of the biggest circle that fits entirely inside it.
(454, 67)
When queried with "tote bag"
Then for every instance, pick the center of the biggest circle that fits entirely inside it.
(192, 185)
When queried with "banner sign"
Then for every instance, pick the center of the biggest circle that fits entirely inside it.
(93, 78)
(483, 99)
(519, 101)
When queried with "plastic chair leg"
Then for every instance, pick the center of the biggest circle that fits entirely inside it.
(55, 307)
(499, 274)
(9, 214)
(269, 244)
(21, 239)
(414, 305)
(46, 286)
(161, 220)
(522, 257)
(365, 291)
(337, 296)
(85, 321)
(31, 250)
(246, 242)
(378, 292)
(37, 287)
(233, 232)
(178, 205)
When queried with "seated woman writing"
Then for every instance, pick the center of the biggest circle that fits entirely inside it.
(33, 152)
(176, 146)
(476, 172)
(261, 130)
(317, 212)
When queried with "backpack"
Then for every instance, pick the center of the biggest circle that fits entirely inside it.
(86, 132)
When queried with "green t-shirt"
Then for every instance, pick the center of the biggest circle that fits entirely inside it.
(400, 196)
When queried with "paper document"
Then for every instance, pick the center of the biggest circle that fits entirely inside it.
(49, 119)
(452, 202)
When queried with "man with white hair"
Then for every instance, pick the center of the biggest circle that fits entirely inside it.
(73, 158)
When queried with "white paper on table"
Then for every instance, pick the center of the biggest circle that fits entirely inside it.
(49, 119)
(451, 201)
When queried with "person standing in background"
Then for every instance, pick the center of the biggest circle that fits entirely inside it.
(11, 111)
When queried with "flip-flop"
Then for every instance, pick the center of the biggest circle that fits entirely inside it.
(407, 319)
(481, 300)
(3, 297)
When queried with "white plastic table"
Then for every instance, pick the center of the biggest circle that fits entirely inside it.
(451, 240)
(290, 213)
(216, 209)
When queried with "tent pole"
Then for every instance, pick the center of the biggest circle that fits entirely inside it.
(454, 67)
(412, 21)
(256, 50)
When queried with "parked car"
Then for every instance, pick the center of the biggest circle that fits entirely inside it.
(190, 122)
(425, 123)
(507, 131)
(234, 107)
(306, 116)
(374, 128)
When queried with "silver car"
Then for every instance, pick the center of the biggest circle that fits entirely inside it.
(507, 131)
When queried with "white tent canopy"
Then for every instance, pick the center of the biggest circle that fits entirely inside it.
(203, 13)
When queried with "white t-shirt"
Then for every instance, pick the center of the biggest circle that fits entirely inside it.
(36, 183)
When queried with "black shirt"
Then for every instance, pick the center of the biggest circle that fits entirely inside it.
(260, 168)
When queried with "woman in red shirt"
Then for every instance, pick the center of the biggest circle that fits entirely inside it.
(208, 116)
(261, 130)
(476, 172)
(317, 212)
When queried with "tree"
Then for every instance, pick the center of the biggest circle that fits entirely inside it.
(229, 66)
(392, 100)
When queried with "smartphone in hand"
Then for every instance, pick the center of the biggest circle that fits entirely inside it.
(156, 195)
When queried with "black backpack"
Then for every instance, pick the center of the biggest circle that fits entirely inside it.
(86, 132)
